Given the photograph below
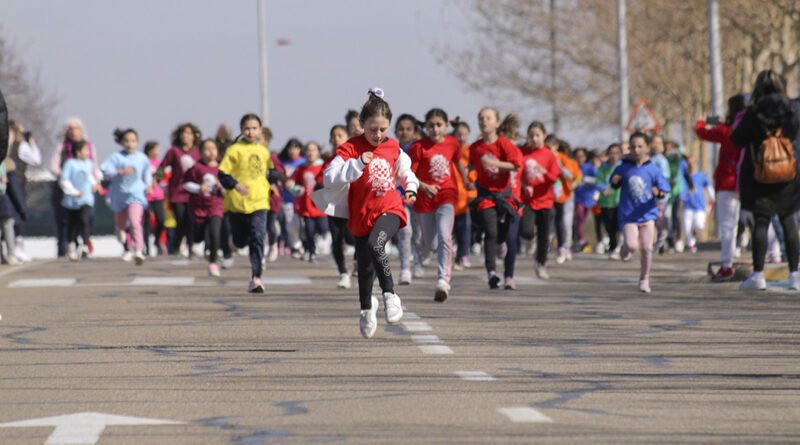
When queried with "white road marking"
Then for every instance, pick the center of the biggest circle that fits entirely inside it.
(179, 262)
(83, 428)
(11, 270)
(284, 281)
(477, 376)
(435, 349)
(524, 414)
(162, 281)
(417, 326)
(43, 282)
(410, 315)
(425, 339)
(529, 280)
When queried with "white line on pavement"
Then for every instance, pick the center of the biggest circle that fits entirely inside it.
(43, 282)
(524, 414)
(435, 349)
(162, 281)
(425, 339)
(478, 376)
(417, 326)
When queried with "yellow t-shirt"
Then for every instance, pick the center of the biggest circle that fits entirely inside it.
(248, 164)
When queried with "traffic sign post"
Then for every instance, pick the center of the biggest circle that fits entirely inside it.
(643, 119)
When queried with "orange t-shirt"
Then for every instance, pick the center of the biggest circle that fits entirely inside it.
(464, 195)
(575, 169)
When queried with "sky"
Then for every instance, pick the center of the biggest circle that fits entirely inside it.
(152, 64)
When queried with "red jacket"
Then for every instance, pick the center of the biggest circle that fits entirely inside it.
(307, 177)
(493, 179)
(725, 172)
(433, 164)
(542, 184)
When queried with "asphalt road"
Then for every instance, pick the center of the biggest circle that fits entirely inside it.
(582, 358)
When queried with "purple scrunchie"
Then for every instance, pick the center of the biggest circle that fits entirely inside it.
(378, 92)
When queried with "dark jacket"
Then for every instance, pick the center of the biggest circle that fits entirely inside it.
(767, 113)
(3, 128)
(12, 204)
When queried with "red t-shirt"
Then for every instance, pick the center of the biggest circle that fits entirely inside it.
(204, 205)
(725, 172)
(373, 193)
(433, 164)
(307, 176)
(493, 179)
(542, 183)
(180, 161)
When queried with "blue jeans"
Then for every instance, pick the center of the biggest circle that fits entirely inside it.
(250, 229)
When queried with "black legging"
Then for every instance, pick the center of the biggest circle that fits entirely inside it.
(677, 219)
(538, 220)
(79, 223)
(762, 221)
(339, 235)
(208, 231)
(373, 260)
(153, 208)
(609, 216)
(561, 230)
(495, 231)
(183, 228)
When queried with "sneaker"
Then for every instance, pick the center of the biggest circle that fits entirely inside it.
(465, 262)
(255, 286)
(312, 258)
(418, 272)
(273, 253)
(344, 281)
(297, 254)
(139, 257)
(693, 248)
(723, 274)
(457, 265)
(614, 255)
(12, 260)
(85, 252)
(227, 263)
(600, 248)
(369, 320)
(754, 282)
(561, 257)
(425, 257)
(405, 277)
(644, 286)
(91, 246)
(442, 290)
(72, 252)
(737, 252)
(541, 271)
(679, 246)
(392, 307)
(122, 236)
(355, 269)
(568, 254)
(494, 280)
(794, 282)
(625, 254)
(19, 253)
(476, 248)
(197, 251)
(127, 256)
(502, 251)
(509, 284)
(213, 270)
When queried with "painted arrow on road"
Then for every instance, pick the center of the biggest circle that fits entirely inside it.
(83, 428)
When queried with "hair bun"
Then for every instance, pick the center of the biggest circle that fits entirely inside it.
(377, 92)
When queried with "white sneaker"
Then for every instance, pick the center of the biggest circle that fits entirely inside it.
(197, 251)
(644, 286)
(213, 270)
(344, 281)
(600, 248)
(393, 307)
(127, 256)
(20, 254)
(122, 236)
(679, 246)
(369, 321)
(442, 290)
(405, 277)
(737, 252)
(418, 272)
(794, 282)
(754, 283)
(72, 252)
(11, 260)
(541, 271)
(139, 257)
(561, 257)
(227, 263)
(476, 248)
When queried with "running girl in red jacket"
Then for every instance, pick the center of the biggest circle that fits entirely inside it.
(433, 160)
(205, 201)
(493, 157)
(370, 163)
(301, 185)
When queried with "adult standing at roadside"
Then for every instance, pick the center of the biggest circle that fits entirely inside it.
(74, 131)
(769, 110)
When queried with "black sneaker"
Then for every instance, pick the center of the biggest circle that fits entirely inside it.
(494, 282)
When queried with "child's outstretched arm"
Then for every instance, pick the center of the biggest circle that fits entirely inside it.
(340, 171)
(405, 176)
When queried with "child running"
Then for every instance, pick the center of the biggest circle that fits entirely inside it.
(370, 163)
(609, 199)
(180, 158)
(79, 186)
(432, 160)
(694, 211)
(302, 184)
(206, 201)
(131, 180)
(243, 172)
(642, 184)
(493, 157)
(540, 171)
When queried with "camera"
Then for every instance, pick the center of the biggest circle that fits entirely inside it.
(27, 135)
(712, 120)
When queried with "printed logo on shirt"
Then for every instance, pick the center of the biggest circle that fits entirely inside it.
(439, 168)
(380, 176)
(187, 162)
(639, 191)
(309, 180)
(254, 166)
(211, 184)
(532, 173)
(493, 172)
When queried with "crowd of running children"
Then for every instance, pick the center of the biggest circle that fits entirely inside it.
(435, 195)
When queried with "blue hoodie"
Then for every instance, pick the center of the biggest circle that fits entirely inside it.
(636, 201)
(584, 193)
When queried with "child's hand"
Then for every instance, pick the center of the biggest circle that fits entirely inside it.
(203, 189)
(80, 194)
(606, 192)
(410, 197)
(127, 171)
(366, 157)
(242, 189)
(148, 190)
(616, 179)
(431, 190)
(97, 188)
(528, 190)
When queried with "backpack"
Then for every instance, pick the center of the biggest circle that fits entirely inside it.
(774, 161)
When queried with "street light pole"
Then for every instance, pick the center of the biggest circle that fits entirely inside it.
(262, 53)
(553, 86)
(715, 67)
(622, 58)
